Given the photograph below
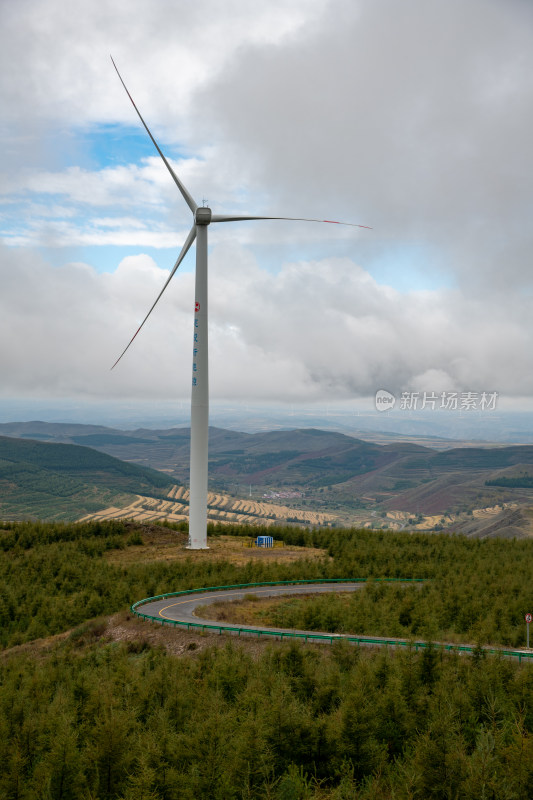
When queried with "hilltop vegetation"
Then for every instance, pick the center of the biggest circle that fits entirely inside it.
(132, 722)
(54, 576)
(90, 716)
(514, 481)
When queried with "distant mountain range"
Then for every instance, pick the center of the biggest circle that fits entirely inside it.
(337, 473)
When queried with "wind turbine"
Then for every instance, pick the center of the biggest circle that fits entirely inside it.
(202, 218)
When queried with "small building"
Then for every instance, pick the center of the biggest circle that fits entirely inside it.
(264, 541)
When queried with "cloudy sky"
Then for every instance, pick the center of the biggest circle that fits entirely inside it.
(412, 117)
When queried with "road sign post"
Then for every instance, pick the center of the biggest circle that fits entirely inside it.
(529, 617)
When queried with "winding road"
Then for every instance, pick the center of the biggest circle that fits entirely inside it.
(179, 608)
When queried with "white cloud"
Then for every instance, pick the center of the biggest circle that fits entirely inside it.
(318, 331)
(123, 185)
(412, 117)
(57, 55)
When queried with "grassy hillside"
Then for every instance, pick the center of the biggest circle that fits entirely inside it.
(61, 481)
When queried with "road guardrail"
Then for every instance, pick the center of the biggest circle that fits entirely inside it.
(307, 636)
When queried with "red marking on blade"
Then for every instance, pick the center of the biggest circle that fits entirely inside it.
(336, 222)
(127, 348)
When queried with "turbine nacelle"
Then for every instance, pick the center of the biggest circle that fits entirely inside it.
(202, 215)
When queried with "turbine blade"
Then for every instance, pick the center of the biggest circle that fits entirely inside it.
(186, 195)
(184, 250)
(238, 218)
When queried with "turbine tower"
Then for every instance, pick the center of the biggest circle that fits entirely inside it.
(202, 218)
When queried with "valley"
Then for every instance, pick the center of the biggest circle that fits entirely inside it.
(305, 477)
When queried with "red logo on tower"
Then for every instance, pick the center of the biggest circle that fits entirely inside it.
(197, 306)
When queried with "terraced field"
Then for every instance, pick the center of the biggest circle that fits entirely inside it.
(221, 508)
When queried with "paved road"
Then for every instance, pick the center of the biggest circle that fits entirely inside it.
(182, 609)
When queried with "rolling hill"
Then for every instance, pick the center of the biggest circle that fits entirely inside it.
(288, 457)
(328, 472)
(64, 481)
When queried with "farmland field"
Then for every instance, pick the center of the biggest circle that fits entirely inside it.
(221, 508)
